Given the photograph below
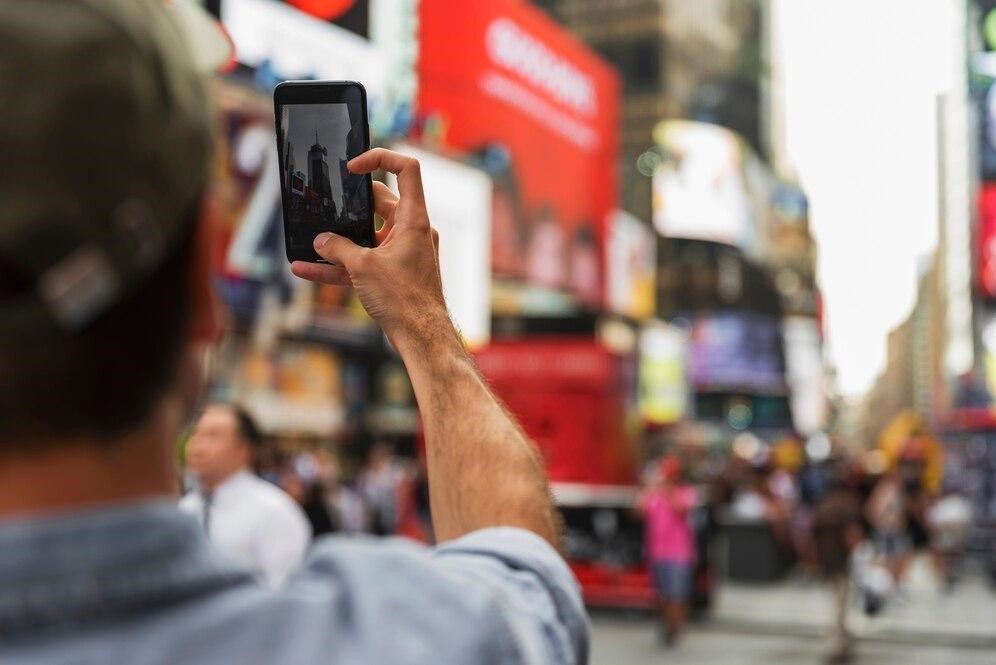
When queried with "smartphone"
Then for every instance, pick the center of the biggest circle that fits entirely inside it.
(321, 125)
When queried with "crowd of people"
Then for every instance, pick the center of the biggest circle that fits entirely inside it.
(264, 506)
(386, 496)
(854, 520)
(839, 518)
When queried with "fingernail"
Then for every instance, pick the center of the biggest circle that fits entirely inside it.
(321, 239)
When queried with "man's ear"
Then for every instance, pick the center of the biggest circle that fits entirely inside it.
(207, 315)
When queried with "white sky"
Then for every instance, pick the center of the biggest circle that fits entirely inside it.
(861, 79)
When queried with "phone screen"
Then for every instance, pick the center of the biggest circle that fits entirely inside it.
(316, 140)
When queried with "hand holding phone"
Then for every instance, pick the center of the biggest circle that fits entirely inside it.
(398, 281)
(321, 125)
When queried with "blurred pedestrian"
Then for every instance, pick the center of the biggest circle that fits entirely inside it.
(802, 521)
(381, 485)
(949, 519)
(249, 518)
(300, 480)
(886, 512)
(917, 499)
(670, 543)
(343, 502)
(754, 500)
(107, 310)
(837, 532)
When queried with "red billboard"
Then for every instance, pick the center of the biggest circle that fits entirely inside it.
(986, 275)
(502, 81)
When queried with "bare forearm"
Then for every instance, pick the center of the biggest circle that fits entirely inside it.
(483, 471)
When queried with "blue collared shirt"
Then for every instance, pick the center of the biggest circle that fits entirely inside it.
(141, 584)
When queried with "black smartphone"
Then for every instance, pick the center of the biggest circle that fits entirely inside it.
(321, 125)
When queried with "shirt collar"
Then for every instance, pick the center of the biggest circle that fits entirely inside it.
(94, 563)
(232, 484)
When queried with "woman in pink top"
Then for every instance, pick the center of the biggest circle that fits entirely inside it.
(670, 543)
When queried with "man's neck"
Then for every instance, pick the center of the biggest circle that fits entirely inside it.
(56, 476)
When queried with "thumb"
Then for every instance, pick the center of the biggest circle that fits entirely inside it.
(337, 249)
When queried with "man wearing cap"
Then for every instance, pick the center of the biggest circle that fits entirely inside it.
(105, 309)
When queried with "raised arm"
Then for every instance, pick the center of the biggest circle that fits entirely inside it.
(482, 469)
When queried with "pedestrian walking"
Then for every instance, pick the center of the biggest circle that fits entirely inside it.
(837, 532)
(886, 512)
(670, 544)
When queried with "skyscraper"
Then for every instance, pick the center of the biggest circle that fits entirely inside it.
(321, 200)
(318, 170)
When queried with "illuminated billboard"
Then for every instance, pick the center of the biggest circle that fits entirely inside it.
(503, 82)
(458, 198)
(700, 191)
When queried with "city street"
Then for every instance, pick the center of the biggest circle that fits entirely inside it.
(785, 623)
(633, 641)
(575, 331)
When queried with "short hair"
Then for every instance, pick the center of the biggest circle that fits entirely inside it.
(246, 427)
(105, 380)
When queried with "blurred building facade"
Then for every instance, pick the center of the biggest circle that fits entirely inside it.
(736, 257)
(913, 378)
(982, 46)
(927, 331)
(773, 94)
(677, 59)
(691, 79)
(941, 348)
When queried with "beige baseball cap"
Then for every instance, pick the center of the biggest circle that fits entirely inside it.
(107, 131)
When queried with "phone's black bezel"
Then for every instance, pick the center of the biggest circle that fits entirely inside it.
(319, 92)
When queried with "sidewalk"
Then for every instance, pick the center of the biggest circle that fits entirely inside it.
(921, 615)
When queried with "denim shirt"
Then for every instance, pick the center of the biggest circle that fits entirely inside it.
(140, 584)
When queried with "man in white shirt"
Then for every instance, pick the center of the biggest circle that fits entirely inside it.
(252, 520)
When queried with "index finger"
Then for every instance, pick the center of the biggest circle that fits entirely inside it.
(403, 166)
